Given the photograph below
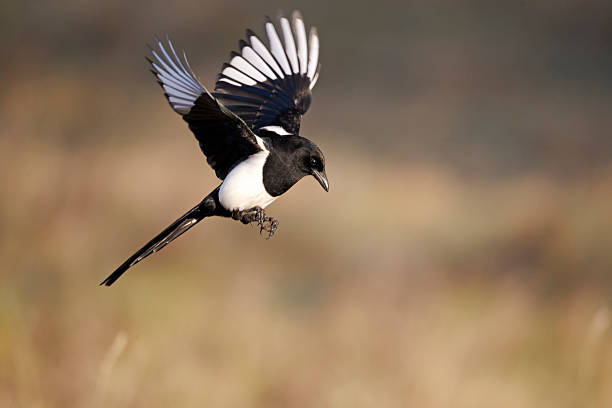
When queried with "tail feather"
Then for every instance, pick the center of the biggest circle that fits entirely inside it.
(173, 231)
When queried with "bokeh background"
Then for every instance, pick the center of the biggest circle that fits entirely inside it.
(462, 257)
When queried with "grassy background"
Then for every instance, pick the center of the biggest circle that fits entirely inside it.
(461, 258)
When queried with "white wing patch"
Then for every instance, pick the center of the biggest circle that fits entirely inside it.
(313, 57)
(244, 66)
(229, 81)
(289, 45)
(277, 48)
(180, 84)
(250, 55)
(295, 54)
(313, 81)
(253, 83)
(238, 76)
(263, 52)
(300, 33)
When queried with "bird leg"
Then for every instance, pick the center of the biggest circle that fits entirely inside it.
(258, 215)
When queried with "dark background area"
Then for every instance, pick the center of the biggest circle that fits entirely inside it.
(461, 258)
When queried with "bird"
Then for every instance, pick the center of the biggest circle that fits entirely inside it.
(248, 127)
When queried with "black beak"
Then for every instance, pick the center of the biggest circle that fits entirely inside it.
(321, 178)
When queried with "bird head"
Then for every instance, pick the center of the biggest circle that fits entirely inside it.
(312, 162)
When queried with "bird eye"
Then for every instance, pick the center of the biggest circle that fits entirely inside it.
(316, 164)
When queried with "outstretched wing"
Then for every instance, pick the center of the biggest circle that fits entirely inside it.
(271, 86)
(224, 138)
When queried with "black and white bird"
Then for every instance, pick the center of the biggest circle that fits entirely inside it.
(248, 128)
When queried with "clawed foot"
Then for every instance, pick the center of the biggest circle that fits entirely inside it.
(258, 215)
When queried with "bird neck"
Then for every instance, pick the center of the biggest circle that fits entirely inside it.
(281, 171)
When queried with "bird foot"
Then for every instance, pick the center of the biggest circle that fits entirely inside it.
(258, 215)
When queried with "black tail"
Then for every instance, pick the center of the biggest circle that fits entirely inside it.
(177, 228)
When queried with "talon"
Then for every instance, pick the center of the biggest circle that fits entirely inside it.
(272, 227)
(261, 216)
(257, 215)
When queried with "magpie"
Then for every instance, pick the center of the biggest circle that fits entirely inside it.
(248, 127)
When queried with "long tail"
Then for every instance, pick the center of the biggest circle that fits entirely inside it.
(204, 209)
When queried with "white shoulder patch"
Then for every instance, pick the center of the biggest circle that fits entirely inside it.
(279, 130)
(261, 143)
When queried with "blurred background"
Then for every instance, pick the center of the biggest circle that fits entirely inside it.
(462, 257)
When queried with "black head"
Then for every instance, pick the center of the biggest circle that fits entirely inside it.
(292, 157)
(312, 162)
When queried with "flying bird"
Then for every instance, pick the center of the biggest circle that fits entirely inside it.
(248, 127)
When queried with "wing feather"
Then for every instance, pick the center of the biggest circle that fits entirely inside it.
(271, 85)
(238, 76)
(243, 65)
(262, 51)
(276, 47)
(289, 45)
(300, 34)
(313, 56)
(250, 55)
(224, 138)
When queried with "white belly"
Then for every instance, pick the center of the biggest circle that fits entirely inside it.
(243, 187)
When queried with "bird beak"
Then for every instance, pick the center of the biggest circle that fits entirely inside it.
(321, 178)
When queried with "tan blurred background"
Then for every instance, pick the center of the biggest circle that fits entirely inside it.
(462, 257)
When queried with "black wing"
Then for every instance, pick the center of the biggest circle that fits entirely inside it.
(224, 138)
(271, 86)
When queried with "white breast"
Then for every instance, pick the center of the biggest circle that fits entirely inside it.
(243, 187)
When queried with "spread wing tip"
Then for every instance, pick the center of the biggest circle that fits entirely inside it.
(174, 74)
(275, 76)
